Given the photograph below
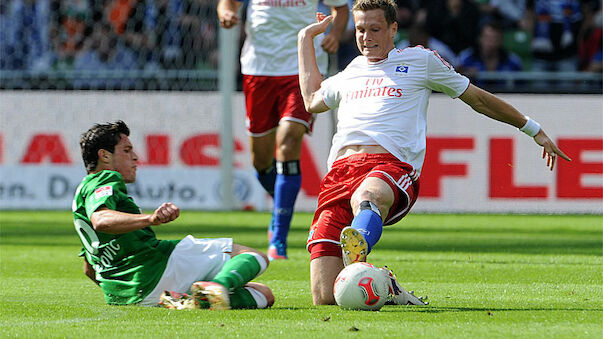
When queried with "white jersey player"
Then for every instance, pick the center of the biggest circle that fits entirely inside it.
(273, 98)
(380, 143)
(385, 103)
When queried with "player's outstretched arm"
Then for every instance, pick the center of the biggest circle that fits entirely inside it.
(491, 106)
(309, 74)
(227, 13)
(115, 222)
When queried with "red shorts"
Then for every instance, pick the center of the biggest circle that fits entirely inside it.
(334, 211)
(268, 99)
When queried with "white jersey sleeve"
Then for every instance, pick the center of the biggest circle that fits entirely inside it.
(329, 90)
(442, 77)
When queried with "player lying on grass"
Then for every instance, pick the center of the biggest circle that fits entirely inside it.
(379, 148)
(132, 266)
(276, 117)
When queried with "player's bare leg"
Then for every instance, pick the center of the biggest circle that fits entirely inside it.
(261, 150)
(262, 158)
(373, 199)
(289, 138)
(238, 249)
(323, 271)
(375, 190)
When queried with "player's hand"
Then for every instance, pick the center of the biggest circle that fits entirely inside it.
(320, 26)
(550, 151)
(228, 18)
(165, 213)
(330, 44)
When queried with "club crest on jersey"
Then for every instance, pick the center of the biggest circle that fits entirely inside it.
(103, 192)
(402, 69)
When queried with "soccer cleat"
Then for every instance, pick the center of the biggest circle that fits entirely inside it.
(408, 298)
(216, 294)
(398, 295)
(277, 251)
(177, 301)
(353, 246)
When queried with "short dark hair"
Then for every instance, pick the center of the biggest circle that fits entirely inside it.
(101, 136)
(389, 7)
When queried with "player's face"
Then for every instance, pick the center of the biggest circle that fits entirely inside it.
(124, 159)
(374, 37)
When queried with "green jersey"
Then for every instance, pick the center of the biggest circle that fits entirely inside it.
(129, 265)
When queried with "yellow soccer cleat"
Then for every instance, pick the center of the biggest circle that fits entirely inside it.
(353, 246)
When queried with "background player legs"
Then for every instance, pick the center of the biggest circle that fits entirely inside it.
(262, 158)
(289, 138)
(283, 187)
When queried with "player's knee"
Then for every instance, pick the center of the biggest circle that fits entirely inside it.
(289, 150)
(322, 293)
(288, 146)
(382, 201)
(238, 249)
(261, 163)
(323, 299)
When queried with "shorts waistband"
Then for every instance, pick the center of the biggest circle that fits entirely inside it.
(362, 157)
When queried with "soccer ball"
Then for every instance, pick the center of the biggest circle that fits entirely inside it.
(361, 286)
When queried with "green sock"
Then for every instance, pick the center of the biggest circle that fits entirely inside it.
(239, 298)
(238, 271)
(242, 298)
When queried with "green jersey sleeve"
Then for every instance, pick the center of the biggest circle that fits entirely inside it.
(109, 190)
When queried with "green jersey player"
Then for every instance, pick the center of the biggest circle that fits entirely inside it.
(125, 258)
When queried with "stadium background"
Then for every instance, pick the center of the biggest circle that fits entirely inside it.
(65, 65)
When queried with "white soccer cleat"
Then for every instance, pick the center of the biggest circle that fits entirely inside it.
(353, 246)
(400, 296)
(216, 294)
(177, 301)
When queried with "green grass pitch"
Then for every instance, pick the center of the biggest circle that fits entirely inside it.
(488, 276)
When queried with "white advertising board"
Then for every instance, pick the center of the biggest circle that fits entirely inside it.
(473, 164)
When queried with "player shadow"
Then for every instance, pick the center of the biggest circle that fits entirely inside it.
(490, 310)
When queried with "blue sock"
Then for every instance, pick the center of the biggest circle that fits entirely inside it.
(368, 222)
(266, 177)
(286, 188)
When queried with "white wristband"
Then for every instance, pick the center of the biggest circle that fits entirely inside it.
(531, 127)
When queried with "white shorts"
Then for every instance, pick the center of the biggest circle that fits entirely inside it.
(192, 260)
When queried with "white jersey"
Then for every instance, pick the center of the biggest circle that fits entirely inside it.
(385, 103)
(271, 27)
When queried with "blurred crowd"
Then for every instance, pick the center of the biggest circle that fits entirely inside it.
(473, 35)
(503, 35)
(39, 35)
